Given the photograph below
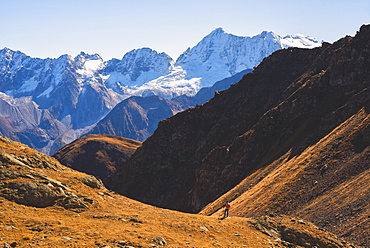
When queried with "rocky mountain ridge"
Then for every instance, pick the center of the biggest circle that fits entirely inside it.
(75, 93)
(277, 131)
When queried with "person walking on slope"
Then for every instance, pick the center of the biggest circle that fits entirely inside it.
(227, 207)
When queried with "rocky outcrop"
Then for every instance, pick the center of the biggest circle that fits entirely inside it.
(93, 182)
(287, 105)
(97, 154)
(23, 179)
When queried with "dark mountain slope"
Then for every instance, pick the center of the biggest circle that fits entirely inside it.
(164, 171)
(327, 184)
(97, 154)
(207, 93)
(293, 99)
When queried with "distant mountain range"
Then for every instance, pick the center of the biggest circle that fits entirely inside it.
(47, 103)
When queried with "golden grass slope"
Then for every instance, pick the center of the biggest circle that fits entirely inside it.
(111, 220)
(327, 184)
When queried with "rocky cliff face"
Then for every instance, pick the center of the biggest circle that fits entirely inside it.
(292, 100)
(97, 154)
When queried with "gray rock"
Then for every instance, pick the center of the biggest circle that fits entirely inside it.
(75, 204)
(203, 228)
(6, 140)
(8, 159)
(92, 182)
(6, 245)
(159, 240)
(14, 244)
(54, 182)
(30, 193)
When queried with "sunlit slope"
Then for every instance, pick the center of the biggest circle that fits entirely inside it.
(327, 184)
(45, 204)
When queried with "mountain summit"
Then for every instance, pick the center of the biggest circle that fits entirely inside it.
(220, 55)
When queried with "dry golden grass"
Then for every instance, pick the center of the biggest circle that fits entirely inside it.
(113, 219)
(335, 198)
(125, 143)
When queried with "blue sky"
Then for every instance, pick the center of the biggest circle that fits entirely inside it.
(50, 28)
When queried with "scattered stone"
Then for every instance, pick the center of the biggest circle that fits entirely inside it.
(121, 242)
(29, 176)
(301, 222)
(6, 245)
(8, 159)
(89, 200)
(14, 244)
(36, 229)
(6, 140)
(159, 240)
(135, 220)
(74, 203)
(92, 182)
(203, 228)
(236, 234)
(10, 227)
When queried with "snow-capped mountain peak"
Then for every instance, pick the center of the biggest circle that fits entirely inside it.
(88, 64)
(220, 55)
(300, 40)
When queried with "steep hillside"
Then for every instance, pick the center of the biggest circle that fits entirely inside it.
(290, 102)
(45, 204)
(328, 183)
(97, 154)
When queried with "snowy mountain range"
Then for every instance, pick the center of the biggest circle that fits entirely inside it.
(47, 103)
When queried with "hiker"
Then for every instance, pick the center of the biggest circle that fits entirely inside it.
(227, 207)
